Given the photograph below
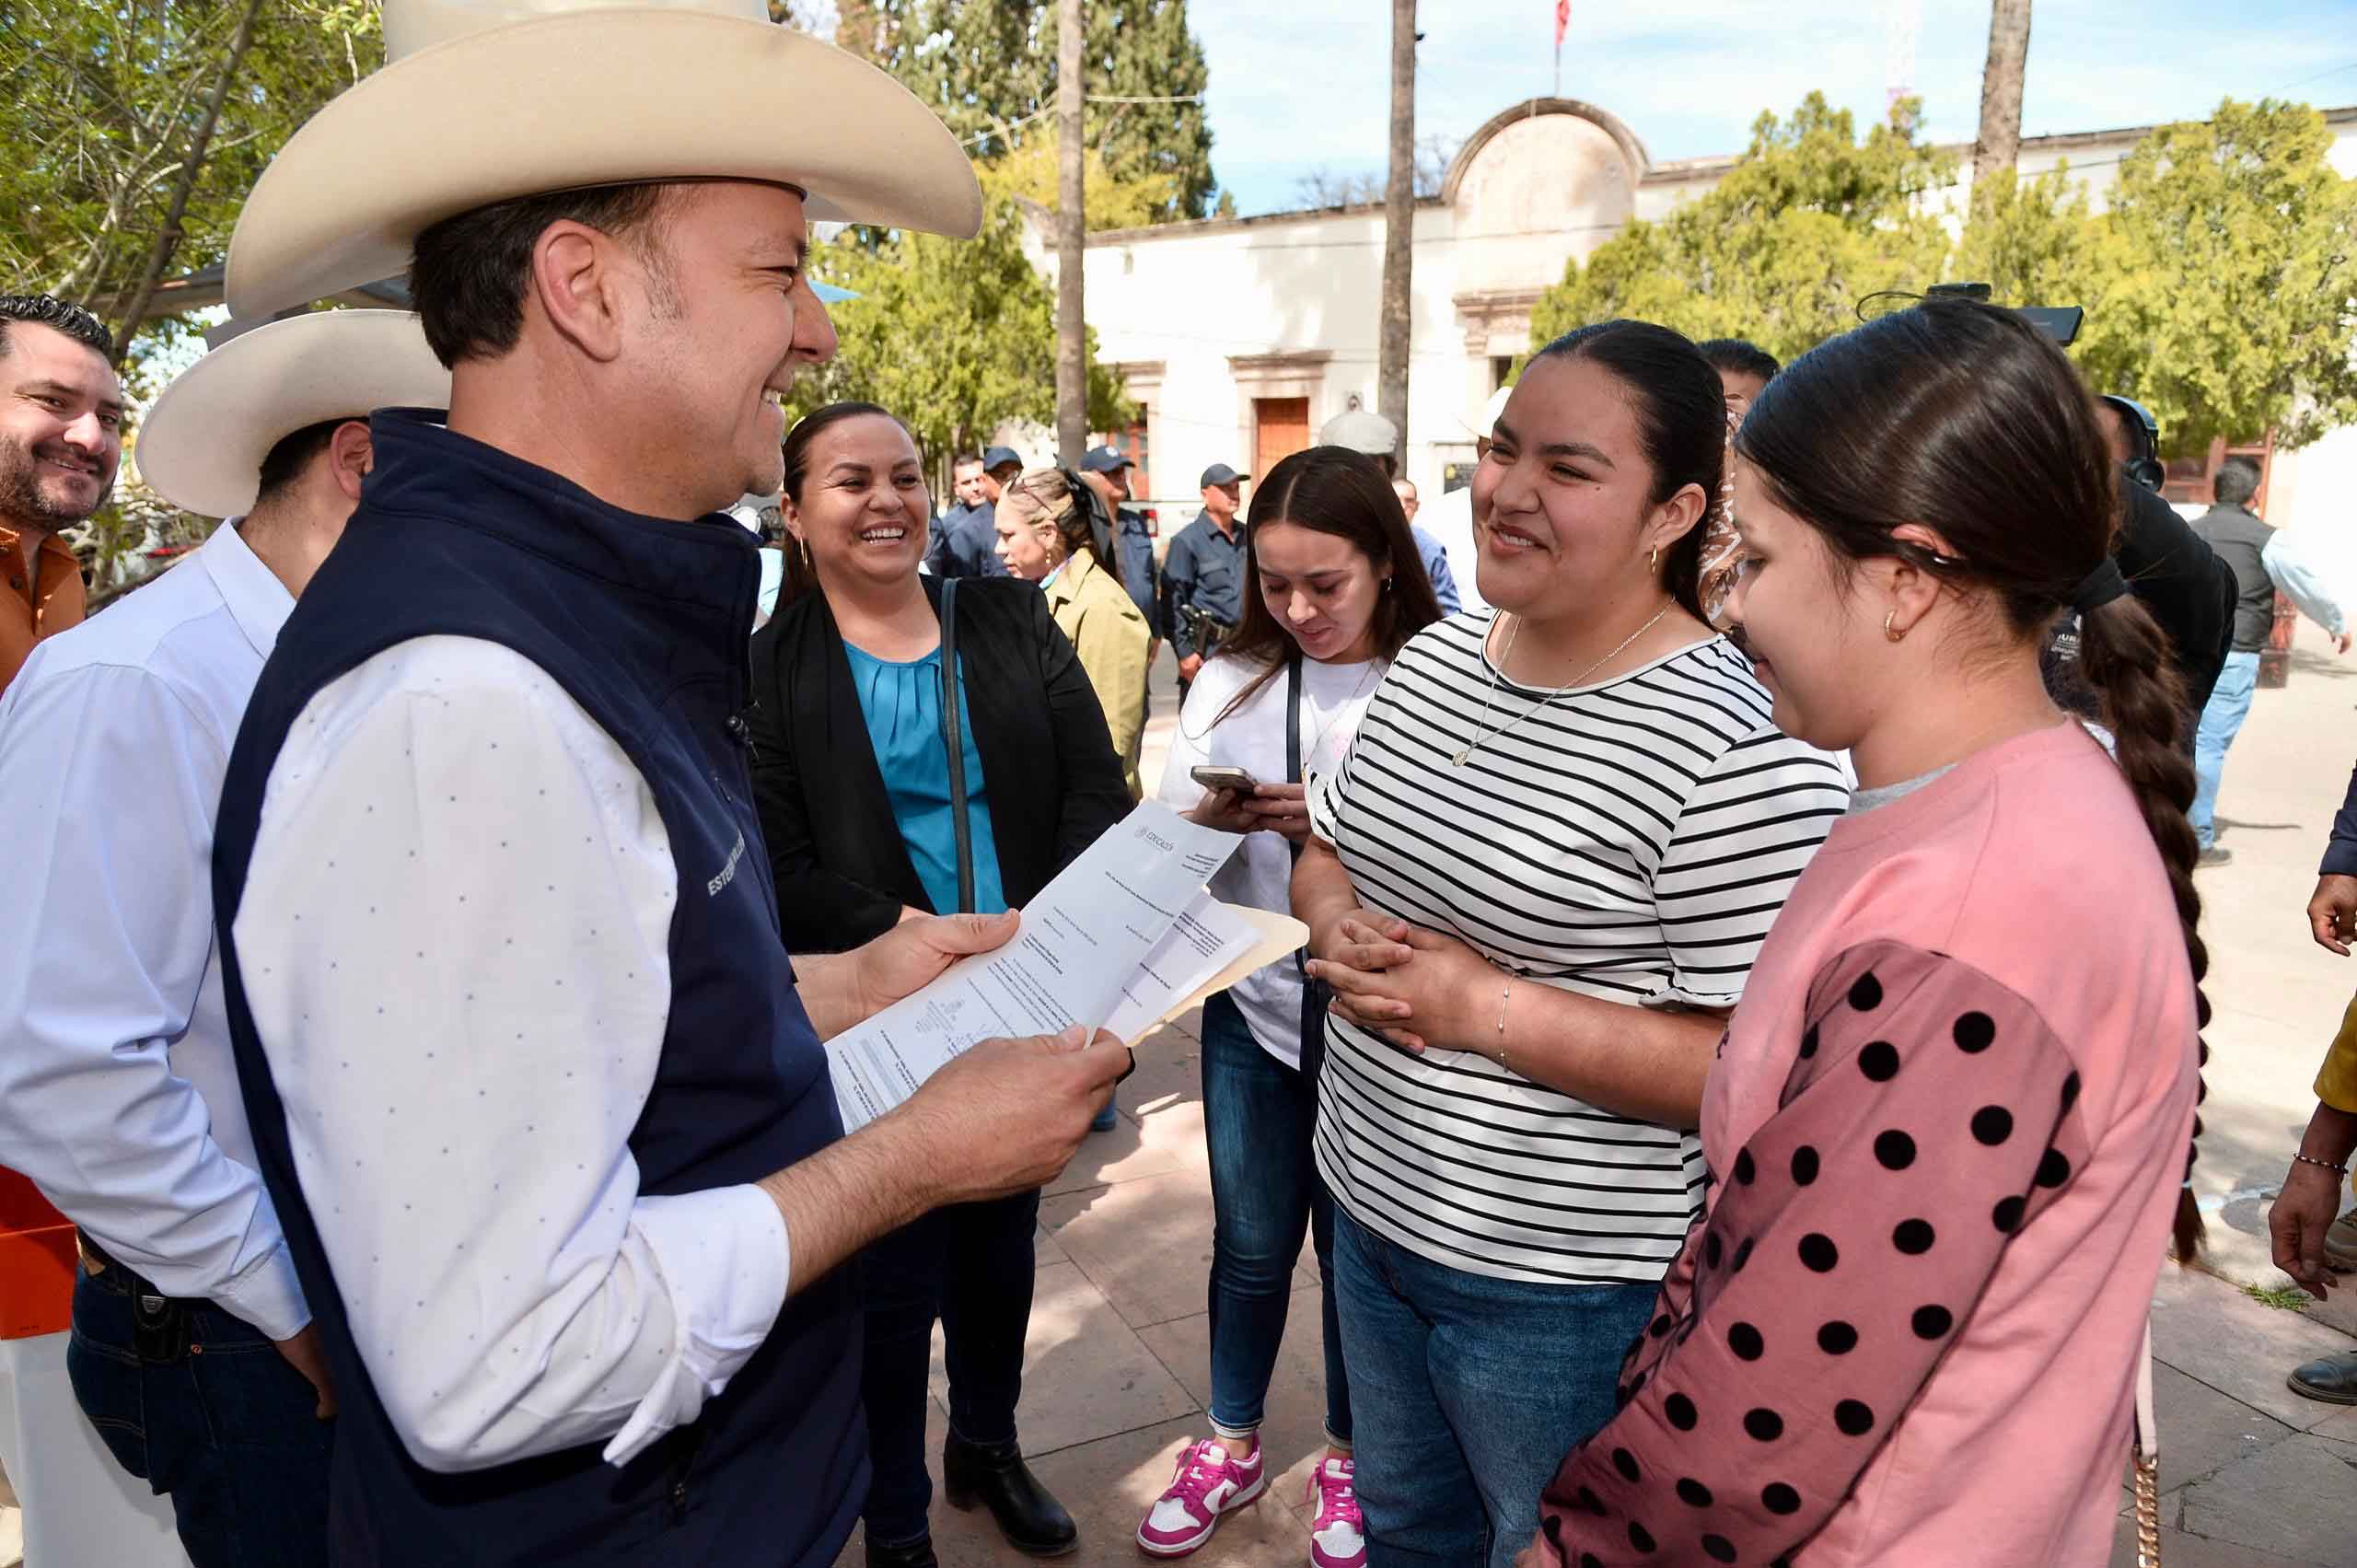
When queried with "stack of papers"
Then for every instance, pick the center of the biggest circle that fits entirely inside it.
(1123, 940)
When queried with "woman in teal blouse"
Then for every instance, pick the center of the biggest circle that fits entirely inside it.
(852, 779)
(901, 701)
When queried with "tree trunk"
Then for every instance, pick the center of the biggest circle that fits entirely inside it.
(2000, 143)
(167, 237)
(1399, 224)
(1071, 219)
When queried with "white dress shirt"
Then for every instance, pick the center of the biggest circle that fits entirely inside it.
(118, 1093)
(1333, 699)
(2301, 583)
(455, 941)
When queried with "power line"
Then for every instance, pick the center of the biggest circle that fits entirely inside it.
(979, 136)
(2320, 75)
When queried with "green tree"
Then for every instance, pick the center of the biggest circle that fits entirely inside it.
(1028, 174)
(956, 337)
(2235, 248)
(104, 110)
(988, 67)
(1808, 223)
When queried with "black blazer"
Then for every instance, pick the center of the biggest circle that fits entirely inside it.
(1053, 784)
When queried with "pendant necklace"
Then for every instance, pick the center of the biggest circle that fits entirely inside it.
(1483, 733)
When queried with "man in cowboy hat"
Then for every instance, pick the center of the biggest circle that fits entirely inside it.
(118, 1095)
(541, 1099)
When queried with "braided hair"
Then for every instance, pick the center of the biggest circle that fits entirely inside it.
(1965, 418)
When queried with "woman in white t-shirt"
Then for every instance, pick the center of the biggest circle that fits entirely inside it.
(1334, 589)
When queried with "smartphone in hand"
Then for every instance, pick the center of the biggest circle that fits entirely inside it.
(1235, 779)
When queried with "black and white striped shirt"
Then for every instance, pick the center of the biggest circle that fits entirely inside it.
(1630, 840)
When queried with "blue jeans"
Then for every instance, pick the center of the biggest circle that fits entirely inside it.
(971, 1267)
(2221, 720)
(201, 1407)
(1259, 1117)
(1473, 1389)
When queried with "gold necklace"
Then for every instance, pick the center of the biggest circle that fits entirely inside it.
(1482, 732)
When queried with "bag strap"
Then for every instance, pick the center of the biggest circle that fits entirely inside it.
(2146, 1459)
(953, 739)
(1292, 719)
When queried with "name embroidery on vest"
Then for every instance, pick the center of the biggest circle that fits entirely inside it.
(728, 870)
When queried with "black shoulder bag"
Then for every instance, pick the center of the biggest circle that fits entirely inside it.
(953, 737)
(1316, 994)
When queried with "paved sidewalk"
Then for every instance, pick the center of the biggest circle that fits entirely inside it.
(2253, 1476)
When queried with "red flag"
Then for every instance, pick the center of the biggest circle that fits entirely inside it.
(1562, 20)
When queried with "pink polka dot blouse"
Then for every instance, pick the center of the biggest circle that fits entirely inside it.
(1946, 1131)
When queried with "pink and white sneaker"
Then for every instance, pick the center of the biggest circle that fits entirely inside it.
(1336, 1539)
(1209, 1482)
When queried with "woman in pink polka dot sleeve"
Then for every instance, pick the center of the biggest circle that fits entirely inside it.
(1947, 1126)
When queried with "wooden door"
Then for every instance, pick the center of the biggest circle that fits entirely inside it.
(1280, 428)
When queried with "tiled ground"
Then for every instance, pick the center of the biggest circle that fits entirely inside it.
(2254, 1476)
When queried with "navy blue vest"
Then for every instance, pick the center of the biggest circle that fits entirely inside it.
(644, 622)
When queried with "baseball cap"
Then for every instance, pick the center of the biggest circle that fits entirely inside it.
(1361, 431)
(999, 456)
(1220, 473)
(1103, 460)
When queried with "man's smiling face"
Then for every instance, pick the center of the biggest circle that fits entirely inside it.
(61, 428)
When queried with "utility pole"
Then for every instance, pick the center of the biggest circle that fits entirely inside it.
(1399, 226)
(1071, 219)
(1999, 147)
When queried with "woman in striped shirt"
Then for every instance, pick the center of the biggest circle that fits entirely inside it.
(1539, 882)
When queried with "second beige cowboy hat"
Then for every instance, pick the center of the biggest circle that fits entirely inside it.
(202, 445)
(481, 101)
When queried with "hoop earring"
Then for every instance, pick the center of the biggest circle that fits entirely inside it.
(803, 545)
(1387, 585)
(1893, 632)
(1653, 559)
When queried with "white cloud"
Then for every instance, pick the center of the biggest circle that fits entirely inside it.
(1305, 83)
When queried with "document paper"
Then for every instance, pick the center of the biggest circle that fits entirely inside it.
(1122, 939)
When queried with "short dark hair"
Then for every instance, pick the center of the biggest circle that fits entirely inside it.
(467, 274)
(58, 316)
(1740, 357)
(962, 458)
(285, 461)
(2238, 481)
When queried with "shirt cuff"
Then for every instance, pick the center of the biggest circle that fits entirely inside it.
(727, 1262)
(267, 1296)
(2340, 858)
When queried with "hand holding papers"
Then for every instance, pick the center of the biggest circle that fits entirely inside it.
(1123, 939)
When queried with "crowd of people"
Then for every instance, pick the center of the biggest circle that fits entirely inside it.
(437, 896)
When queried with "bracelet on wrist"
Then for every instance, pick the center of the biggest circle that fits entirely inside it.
(2342, 1170)
(1506, 993)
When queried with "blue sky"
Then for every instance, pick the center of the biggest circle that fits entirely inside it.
(1296, 83)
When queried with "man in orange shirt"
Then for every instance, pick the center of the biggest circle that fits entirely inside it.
(61, 441)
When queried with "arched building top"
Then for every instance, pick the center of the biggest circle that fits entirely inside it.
(1632, 151)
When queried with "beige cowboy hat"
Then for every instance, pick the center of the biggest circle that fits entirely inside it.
(484, 101)
(202, 445)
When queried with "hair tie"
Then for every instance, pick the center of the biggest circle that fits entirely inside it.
(2099, 588)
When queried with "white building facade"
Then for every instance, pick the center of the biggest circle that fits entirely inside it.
(1240, 337)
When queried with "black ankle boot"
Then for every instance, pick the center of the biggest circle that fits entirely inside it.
(994, 1476)
(918, 1555)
